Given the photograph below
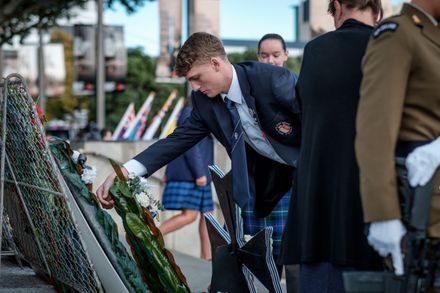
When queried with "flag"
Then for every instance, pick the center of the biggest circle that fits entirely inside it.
(137, 127)
(125, 122)
(151, 130)
(172, 120)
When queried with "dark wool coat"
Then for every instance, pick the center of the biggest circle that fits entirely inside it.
(325, 221)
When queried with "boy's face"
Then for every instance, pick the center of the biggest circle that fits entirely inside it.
(206, 78)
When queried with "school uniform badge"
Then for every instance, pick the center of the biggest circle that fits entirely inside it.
(284, 128)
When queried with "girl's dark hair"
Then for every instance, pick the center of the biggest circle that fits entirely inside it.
(374, 5)
(272, 37)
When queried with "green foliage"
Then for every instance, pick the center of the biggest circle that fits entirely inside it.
(19, 17)
(79, 190)
(57, 106)
(130, 5)
(147, 242)
(248, 55)
(292, 63)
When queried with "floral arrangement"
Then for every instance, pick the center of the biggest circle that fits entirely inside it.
(87, 172)
(140, 189)
(79, 178)
(136, 206)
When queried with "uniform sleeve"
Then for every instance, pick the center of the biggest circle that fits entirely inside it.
(183, 138)
(283, 88)
(386, 69)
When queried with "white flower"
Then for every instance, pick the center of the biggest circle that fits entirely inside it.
(143, 184)
(144, 199)
(75, 156)
(89, 174)
(141, 192)
(131, 176)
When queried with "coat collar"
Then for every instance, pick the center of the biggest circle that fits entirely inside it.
(351, 22)
(420, 19)
(221, 113)
(234, 93)
(430, 17)
(244, 85)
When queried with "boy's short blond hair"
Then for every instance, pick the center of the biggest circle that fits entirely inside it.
(198, 49)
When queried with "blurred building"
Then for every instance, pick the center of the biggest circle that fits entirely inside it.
(170, 36)
(312, 18)
(21, 57)
(203, 15)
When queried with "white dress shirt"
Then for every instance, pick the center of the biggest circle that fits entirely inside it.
(254, 136)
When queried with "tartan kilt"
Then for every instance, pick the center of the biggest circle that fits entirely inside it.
(180, 195)
(277, 219)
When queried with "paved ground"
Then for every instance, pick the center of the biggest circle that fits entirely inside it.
(21, 280)
(14, 279)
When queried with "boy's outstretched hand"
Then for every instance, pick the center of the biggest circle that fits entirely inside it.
(103, 192)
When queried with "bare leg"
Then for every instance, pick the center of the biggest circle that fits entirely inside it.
(178, 221)
(205, 245)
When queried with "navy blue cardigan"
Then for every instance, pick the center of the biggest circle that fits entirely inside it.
(194, 162)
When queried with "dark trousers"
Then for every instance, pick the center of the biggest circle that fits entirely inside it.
(321, 278)
(292, 277)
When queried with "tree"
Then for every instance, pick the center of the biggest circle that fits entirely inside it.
(130, 5)
(248, 55)
(292, 63)
(56, 107)
(19, 17)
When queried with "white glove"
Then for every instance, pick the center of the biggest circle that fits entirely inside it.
(385, 238)
(422, 163)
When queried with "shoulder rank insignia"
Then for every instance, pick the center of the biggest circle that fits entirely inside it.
(386, 26)
(416, 20)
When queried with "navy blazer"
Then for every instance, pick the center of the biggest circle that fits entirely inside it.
(194, 162)
(269, 91)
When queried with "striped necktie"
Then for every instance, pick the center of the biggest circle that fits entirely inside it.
(240, 180)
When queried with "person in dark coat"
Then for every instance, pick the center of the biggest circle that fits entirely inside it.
(188, 187)
(325, 229)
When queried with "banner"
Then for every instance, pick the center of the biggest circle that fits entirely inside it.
(172, 121)
(125, 122)
(159, 116)
(137, 128)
